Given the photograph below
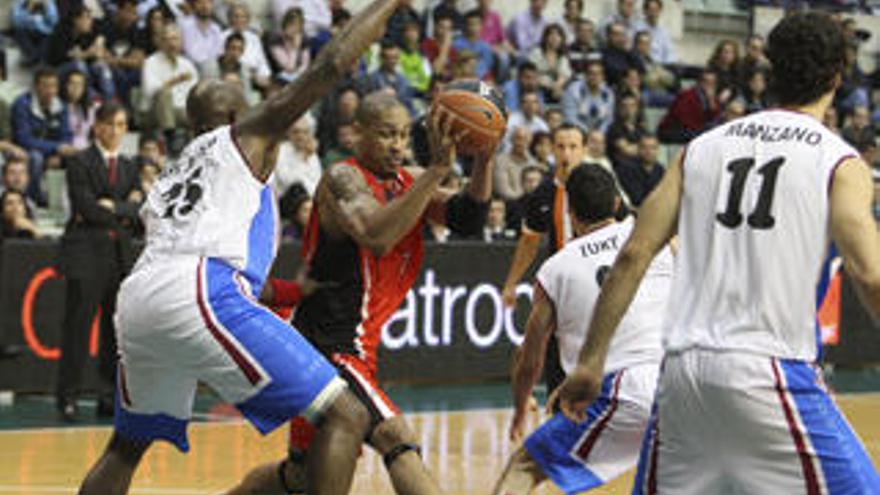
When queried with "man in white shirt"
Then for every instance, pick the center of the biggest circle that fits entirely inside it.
(528, 116)
(662, 48)
(254, 57)
(166, 80)
(202, 35)
(297, 161)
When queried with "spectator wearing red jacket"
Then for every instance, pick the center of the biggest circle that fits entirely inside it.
(692, 112)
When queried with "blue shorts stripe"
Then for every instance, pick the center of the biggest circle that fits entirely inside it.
(261, 241)
(297, 372)
(552, 444)
(846, 467)
(150, 427)
(641, 481)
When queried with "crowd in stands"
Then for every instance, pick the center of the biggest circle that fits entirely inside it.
(603, 75)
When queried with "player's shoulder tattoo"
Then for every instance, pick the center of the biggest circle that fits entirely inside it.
(346, 183)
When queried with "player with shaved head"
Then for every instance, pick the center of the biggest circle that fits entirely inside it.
(188, 311)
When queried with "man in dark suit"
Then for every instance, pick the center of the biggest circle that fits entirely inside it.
(105, 196)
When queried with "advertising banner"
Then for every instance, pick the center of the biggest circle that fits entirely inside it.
(452, 326)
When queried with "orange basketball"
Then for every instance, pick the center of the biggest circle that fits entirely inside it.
(478, 108)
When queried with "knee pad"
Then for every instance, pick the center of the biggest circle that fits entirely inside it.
(292, 486)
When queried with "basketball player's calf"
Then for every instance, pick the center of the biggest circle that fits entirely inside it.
(395, 441)
(392, 438)
(335, 449)
(113, 471)
(333, 454)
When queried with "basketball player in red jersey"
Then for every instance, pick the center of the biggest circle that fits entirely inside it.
(365, 238)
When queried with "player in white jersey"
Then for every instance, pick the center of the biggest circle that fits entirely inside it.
(741, 407)
(584, 455)
(188, 313)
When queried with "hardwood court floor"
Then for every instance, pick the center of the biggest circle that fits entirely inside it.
(464, 449)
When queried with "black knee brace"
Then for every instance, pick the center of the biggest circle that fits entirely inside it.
(289, 486)
(398, 451)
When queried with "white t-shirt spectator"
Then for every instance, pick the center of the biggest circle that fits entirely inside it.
(519, 119)
(293, 167)
(254, 56)
(158, 69)
(202, 42)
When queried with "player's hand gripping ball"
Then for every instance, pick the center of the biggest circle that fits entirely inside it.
(475, 107)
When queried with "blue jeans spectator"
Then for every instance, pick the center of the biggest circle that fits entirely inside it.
(36, 167)
(32, 23)
(32, 45)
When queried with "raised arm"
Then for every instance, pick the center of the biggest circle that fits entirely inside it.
(537, 221)
(855, 231)
(656, 225)
(269, 121)
(526, 251)
(530, 358)
(480, 186)
(465, 212)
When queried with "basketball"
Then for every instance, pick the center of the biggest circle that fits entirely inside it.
(478, 108)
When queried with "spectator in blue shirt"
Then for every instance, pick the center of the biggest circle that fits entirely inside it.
(471, 40)
(589, 103)
(32, 23)
(40, 126)
(526, 80)
(387, 76)
(662, 47)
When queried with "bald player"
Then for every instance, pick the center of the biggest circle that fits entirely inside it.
(188, 311)
(365, 239)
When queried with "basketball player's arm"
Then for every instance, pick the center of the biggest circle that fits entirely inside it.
(537, 221)
(529, 360)
(355, 211)
(654, 228)
(527, 247)
(465, 212)
(268, 123)
(855, 231)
